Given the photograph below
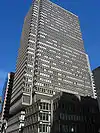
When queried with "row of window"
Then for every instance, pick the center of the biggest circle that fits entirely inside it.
(72, 43)
(62, 13)
(68, 63)
(68, 128)
(45, 106)
(43, 90)
(44, 116)
(68, 41)
(43, 128)
(65, 50)
(32, 109)
(31, 119)
(72, 117)
(75, 65)
(68, 32)
(79, 73)
(71, 31)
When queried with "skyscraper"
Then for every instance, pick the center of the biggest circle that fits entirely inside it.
(51, 56)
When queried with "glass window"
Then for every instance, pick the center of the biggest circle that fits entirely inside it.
(40, 105)
(43, 116)
(43, 128)
(47, 106)
(43, 105)
(40, 116)
(40, 128)
(47, 117)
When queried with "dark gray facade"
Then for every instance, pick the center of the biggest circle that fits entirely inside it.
(6, 99)
(75, 114)
(6, 95)
(0, 123)
(96, 76)
(63, 113)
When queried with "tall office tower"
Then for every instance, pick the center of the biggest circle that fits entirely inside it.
(51, 56)
(51, 59)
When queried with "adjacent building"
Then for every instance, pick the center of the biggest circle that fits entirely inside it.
(5, 101)
(38, 117)
(63, 113)
(51, 59)
(16, 123)
(0, 123)
(6, 96)
(0, 99)
(75, 114)
(96, 76)
(0, 103)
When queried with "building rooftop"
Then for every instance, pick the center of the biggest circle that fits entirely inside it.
(96, 68)
(63, 8)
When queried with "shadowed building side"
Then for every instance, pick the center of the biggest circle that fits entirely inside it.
(6, 99)
(96, 76)
(74, 114)
(6, 95)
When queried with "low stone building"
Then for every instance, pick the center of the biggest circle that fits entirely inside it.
(38, 116)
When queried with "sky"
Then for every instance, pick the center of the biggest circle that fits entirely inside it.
(12, 15)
